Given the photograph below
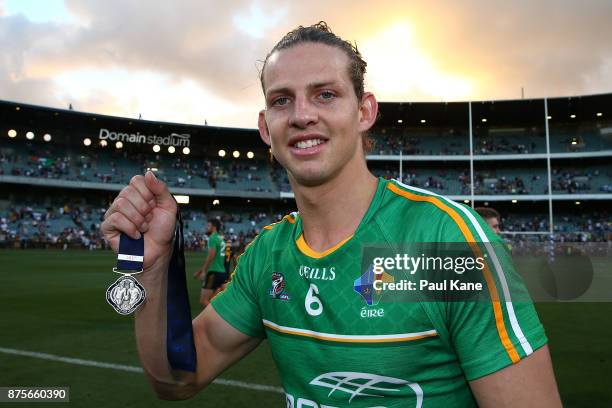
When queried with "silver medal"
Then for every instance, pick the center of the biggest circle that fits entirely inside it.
(125, 295)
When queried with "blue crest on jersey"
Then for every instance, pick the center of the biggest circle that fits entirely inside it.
(364, 285)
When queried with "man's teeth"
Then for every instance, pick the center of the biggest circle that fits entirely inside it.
(305, 144)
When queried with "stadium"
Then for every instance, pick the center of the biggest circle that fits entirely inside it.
(544, 164)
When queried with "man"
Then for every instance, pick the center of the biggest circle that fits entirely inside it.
(491, 217)
(296, 282)
(213, 272)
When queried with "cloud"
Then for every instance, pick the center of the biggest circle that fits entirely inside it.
(17, 38)
(550, 47)
(256, 23)
(207, 53)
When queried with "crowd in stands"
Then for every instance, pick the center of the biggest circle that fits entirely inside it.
(42, 161)
(78, 226)
(558, 245)
(386, 144)
(118, 166)
(392, 141)
(485, 184)
(573, 181)
(63, 227)
(49, 166)
(389, 144)
(596, 223)
(595, 226)
(440, 182)
(246, 176)
(457, 181)
(513, 223)
(503, 146)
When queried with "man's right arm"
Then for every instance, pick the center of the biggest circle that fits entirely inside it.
(146, 206)
(218, 345)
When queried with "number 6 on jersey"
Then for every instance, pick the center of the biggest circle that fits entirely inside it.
(312, 303)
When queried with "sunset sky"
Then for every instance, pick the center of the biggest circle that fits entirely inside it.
(191, 60)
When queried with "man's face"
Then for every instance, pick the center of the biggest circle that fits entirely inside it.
(209, 228)
(313, 120)
(494, 224)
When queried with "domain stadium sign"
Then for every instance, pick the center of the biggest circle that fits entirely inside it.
(173, 139)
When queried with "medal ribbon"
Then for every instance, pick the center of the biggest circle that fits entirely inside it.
(180, 345)
(131, 253)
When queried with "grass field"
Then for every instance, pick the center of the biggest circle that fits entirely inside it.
(53, 302)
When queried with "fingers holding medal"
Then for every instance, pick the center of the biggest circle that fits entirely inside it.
(142, 205)
(135, 202)
(145, 206)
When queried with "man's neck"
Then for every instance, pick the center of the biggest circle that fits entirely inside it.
(331, 212)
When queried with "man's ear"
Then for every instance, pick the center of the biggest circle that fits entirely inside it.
(368, 111)
(263, 127)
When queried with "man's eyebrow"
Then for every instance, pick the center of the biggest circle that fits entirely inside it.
(324, 84)
(313, 85)
(281, 90)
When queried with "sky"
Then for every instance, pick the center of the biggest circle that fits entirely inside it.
(189, 61)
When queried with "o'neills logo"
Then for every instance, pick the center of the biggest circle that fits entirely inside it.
(173, 139)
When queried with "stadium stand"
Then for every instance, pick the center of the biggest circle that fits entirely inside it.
(31, 160)
(80, 167)
(65, 226)
(512, 141)
(420, 142)
(575, 178)
(506, 178)
(69, 225)
(443, 178)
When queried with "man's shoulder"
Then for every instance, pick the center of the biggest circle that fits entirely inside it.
(429, 211)
(411, 202)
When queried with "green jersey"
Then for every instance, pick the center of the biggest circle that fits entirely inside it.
(335, 346)
(215, 241)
